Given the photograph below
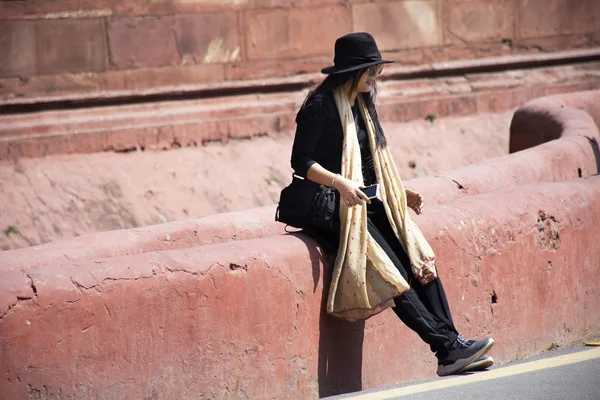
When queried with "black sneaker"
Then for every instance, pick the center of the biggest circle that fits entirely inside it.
(482, 363)
(462, 354)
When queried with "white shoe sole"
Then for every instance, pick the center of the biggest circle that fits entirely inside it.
(480, 364)
(460, 365)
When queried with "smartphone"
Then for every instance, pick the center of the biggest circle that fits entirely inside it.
(371, 191)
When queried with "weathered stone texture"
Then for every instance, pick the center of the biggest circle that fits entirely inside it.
(207, 38)
(176, 7)
(133, 80)
(112, 8)
(465, 52)
(399, 25)
(566, 158)
(142, 42)
(294, 33)
(165, 319)
(264, 4)
(70, 45)
(469, 21)
(17, 48)
(557, 17)
(552, 44)
(56, 9)
(273, 68)
(246, 116)
(257, 39)
(189, 322)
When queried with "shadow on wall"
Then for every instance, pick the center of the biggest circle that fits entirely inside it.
(596, 149)
(531, 127)
(340, 361)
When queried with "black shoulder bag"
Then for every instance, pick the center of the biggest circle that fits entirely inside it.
(306, 204)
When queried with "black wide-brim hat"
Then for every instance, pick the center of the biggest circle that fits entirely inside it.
(355, 51)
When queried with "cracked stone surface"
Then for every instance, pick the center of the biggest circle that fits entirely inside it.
(246, 316)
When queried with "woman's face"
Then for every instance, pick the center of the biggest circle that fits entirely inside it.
(367, 79)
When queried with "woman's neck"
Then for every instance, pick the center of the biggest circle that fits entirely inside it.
(351, 96)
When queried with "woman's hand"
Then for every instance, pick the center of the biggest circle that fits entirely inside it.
(414, 200)
(350, 192)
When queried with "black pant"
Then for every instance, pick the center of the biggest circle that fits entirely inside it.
(424, 309)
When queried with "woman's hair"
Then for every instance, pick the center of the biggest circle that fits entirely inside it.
(333, 81)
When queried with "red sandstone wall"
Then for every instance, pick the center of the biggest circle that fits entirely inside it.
(244, 319)
(51, 48)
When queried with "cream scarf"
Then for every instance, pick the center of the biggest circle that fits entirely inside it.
(365, 281)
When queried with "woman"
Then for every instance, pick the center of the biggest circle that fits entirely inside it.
(382, 258)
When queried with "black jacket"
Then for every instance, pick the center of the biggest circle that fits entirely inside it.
(320, 137)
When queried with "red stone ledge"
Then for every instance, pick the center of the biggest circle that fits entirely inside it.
(189, 123)
(570, 154)
(553, 117)
(224, 227)
(246, 317)
(181, 80)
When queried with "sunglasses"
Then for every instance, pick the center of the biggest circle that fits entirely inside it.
(374, 70)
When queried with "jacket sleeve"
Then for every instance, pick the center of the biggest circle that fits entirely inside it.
(309, 129)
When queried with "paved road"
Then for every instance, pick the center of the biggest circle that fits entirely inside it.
(572, 374)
